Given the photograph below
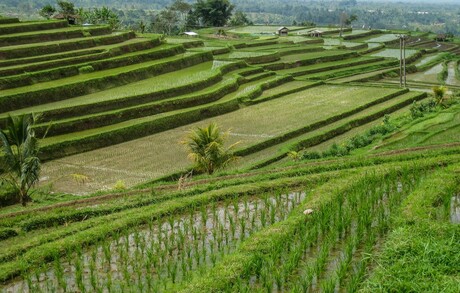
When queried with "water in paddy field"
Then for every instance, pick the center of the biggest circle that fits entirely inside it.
(179, 245)
(455, 209)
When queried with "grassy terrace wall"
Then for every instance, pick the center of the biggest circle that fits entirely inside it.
(30, 65)
(97, 65)
(52, 35)
(8, 20)
(142, 105)
(98, 83)
(22, 27)
(24, 51)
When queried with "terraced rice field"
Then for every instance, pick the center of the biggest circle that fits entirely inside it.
(180, 88)
(358, 223)
(249, 126)
(429, 76)
(441, 129)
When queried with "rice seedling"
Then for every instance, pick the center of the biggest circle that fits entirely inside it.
(173, 247)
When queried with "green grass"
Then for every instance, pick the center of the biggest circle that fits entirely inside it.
(52, 35)
(57, 72)
(420, 254)
(131, 48)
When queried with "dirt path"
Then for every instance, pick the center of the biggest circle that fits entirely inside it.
(451, 76)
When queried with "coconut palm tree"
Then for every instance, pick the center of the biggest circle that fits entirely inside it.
(206, 149)
(20, 155)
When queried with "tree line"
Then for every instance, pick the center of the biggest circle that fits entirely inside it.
(436, 17)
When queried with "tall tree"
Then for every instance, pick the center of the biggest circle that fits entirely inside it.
(214, 12)
(47, 11)
(20, 155)
(206, 149)
(66, 7)
(165, 22)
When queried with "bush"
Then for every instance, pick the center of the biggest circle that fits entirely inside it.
(86, 69)
(357, 141)
(419, 109)
(311, 156)
(8, 197)
(6, 233)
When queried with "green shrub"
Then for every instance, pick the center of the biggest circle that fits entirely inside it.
(86, 69)
(418, 110)
(6, 233)
(7, 196)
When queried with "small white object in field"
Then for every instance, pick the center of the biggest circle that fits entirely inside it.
(308, 212)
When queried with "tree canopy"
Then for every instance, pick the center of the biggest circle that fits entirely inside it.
(213, 12)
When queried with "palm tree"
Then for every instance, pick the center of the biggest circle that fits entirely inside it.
(20, 155)
(206, 149)
(439, 93)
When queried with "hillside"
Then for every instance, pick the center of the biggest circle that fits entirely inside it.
(345, 180)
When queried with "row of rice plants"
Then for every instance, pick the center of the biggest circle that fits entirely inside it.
(330, 252)
(21, 65)
(41, 248)
(340, 216)
(353, 69)
(168, 250)
(421, 254)
(57, 146)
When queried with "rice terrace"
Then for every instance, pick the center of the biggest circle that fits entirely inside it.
(221, 148)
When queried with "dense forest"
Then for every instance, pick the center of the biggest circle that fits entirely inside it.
(436, 17)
